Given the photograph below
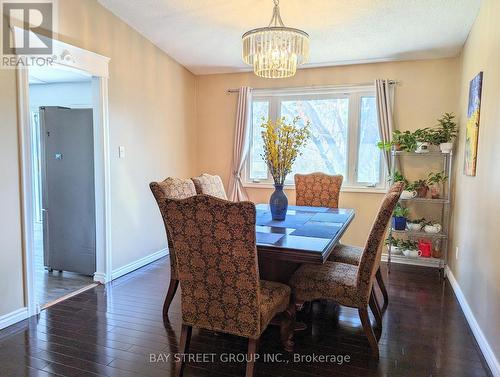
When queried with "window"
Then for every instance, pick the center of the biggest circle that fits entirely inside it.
(344, 134)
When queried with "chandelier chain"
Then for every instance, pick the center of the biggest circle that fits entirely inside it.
(276, 20)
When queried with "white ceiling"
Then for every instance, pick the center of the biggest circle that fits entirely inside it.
(51, 75)
(205, 35)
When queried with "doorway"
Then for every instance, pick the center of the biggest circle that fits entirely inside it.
(62, 147)
(75, 67)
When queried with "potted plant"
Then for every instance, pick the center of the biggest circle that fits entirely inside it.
(401, 141)
(445, 132)
(394, 242)
(410, 249)
(399, 217)
(422, 139)
(282, 144)
(432, 227)
(415, 225)
(435, 182)
(408, 192)
(421, 187)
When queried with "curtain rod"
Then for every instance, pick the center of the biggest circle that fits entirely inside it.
(235, 90)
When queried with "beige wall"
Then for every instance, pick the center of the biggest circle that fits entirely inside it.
(477, 206)
(151, 113)
(428, 88)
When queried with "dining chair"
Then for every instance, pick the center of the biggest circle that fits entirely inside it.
(212, 185)
(171, 188)
(216, 255)
(347, 284)
(317, 190)
(352, 255)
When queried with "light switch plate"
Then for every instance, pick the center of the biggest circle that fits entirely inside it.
(121, 151)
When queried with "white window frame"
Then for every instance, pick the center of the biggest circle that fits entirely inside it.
(354, 93)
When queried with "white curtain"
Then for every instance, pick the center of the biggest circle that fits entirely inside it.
(385, 102)
(240, 149)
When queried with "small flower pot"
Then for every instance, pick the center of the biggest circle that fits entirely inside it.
(395, 250)
(422, 147)
(422, 191)
(435, 191)
(412, 253)
(446, 147)
(433, 229)
(414, 227)
(408, 194)
(399, 223)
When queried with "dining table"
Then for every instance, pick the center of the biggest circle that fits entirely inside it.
(306, 235)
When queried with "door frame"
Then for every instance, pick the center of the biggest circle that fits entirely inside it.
(69, 57)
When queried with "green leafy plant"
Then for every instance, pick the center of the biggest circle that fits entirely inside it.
(393, 241)
(398, 177)
(423, 135)
(436, 178)
(417, 221)
(410, 187)
(409, 245)
(446, 129)
(404, 141)
(430, 222)
(400, 211)
(421, 187)
(385, 146)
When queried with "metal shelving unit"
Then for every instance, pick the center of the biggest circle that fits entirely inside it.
(444, 207)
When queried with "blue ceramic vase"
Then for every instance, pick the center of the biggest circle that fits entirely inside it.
(278, 203)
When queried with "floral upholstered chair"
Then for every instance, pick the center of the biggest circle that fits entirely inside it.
(172, 188)
(210, 185)
(318, 190)
(352, 255)
(347, 284)
(216, 255)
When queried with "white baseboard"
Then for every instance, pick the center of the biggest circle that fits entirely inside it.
(100, 277)
(13, 317)
(138, 263)
(488, 354)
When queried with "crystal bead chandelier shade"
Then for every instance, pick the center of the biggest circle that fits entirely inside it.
(275, 51)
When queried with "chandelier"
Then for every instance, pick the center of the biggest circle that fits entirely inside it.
(275, 51)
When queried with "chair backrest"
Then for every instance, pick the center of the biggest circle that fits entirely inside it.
(212, 185)
(217, 260)
(172, 188)
(368, 263)
(318, 189)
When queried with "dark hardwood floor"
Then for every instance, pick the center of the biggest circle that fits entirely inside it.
(112, 330)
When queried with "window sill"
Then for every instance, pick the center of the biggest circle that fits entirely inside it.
(364, 190)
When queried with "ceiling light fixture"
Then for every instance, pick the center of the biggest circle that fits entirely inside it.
(275, 51)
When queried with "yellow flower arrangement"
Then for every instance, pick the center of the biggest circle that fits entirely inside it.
(282, 145)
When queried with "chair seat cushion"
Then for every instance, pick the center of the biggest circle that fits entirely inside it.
(274, 299)
(346, 254)
(331, 281)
